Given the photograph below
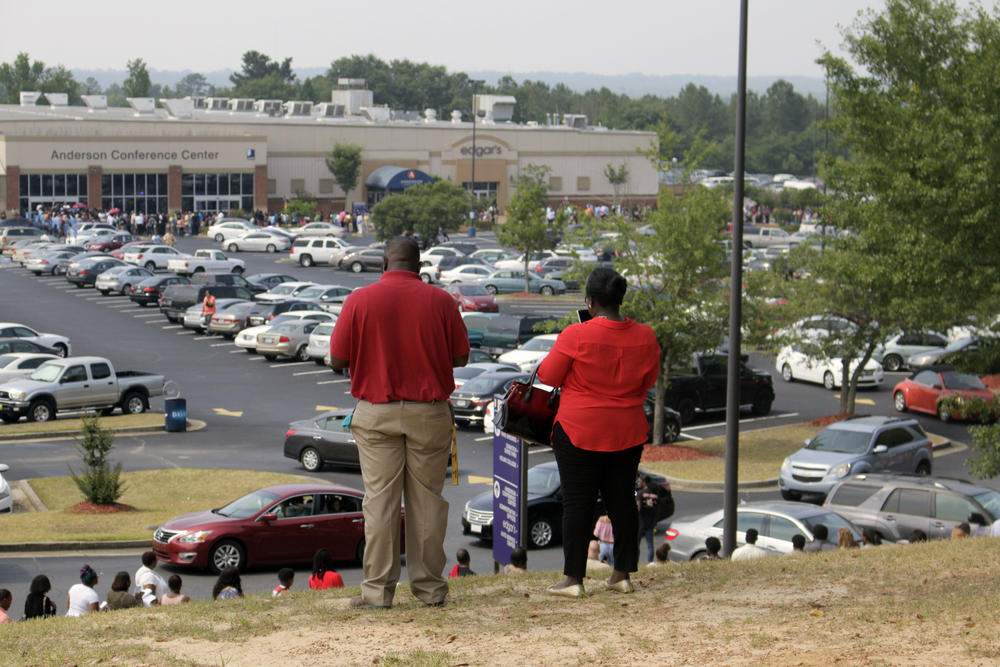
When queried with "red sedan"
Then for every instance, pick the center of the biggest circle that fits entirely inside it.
(111, 242)
(924, 389)
(472, 298)
(276, 525)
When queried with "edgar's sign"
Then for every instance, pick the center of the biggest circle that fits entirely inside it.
(482, 150)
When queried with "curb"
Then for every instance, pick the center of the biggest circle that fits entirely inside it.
(192, 425)
(15, 547)
(30, 496)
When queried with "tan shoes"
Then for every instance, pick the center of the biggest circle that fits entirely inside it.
(573, 591)
(623, 586)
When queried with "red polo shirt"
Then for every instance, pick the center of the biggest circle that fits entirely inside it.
(604, 369)
(400, 338)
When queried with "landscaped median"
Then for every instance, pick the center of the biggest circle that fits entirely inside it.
(121, 423)
(154, 496)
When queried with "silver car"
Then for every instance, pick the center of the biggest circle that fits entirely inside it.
(48, 261)
(327, 297)
(319, 343)
(119, 279)
(194, 316)
(258, 242)
(288, 339)
(776, 523)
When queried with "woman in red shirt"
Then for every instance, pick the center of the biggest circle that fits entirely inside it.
(324, 575)
(605, 366)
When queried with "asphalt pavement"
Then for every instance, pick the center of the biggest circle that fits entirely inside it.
(247, 402)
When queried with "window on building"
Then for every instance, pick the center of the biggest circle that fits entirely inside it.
(483, 189)
(272, 186)
(555, 183)
(583, 183)
(326, 186)
(298, 186)
(51, 190)
(216, 192)
(142, 193)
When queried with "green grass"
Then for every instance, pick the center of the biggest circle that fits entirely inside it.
(157, 495)
(147, 419)
(761, 454)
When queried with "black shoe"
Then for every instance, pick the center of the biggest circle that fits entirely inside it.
(439, 603)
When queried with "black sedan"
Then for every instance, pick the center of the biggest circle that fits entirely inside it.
(545, 506)
(470, 400)
(85, 272)
(322, 439)
(148, 291)
(9, 345)
(265, 312)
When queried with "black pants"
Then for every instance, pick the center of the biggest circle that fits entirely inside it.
(585, 474)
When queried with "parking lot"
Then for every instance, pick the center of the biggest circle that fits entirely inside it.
(247, 402)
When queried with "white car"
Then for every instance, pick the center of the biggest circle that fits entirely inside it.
(794, 364)
(319, 342)
(466, 273)
(258, 242)
(283, 291)
(247, 339)
(442, 251)
(232, 228)
(21, 364)
(530, 353)
(518, 262)
(320, 229)
(152, 257)
(6, 498)
(54, 341)
(311, 250)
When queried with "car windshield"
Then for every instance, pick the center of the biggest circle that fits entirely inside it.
(323, 330)
(542, 481)
(289, 327)
(248, 505)
(833, 523)
(472, 290)
(961, 381)
(311, 292)
(283, 288)
(538, 345)
(480, 385)
(990, 500)
(840, 440)
(47, 372)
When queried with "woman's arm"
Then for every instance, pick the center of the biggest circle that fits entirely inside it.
(554, 367)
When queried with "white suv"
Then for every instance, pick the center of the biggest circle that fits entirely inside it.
(311, 250)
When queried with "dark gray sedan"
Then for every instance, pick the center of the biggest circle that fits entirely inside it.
(322, 439)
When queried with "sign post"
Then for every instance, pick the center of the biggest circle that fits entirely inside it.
(510, 492)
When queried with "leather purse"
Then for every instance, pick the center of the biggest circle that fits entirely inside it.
(528, 412)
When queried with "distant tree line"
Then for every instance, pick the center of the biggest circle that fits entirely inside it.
(784, 128)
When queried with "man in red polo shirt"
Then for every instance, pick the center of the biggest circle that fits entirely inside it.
(401, 339)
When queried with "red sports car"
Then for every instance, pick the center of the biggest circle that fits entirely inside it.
(923, 389)
(472, 298)
(282, 524)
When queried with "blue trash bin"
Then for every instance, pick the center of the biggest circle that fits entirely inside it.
(176, 418)
(472, 230)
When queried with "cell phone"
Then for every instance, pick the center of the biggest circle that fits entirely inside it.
(583, 315)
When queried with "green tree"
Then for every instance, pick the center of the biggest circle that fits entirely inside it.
(527, 228)
(25, 75)
(193, 84)
(303, 206)
(618, 178)
(344, 162)
(91, 86)
(98, 482)
(985, 460)
(256, 65)
(137, 83)
(420, 209)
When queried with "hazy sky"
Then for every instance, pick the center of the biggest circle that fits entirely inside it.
(646, 36)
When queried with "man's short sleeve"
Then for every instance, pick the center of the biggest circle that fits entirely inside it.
(459, 334)
(340, 341)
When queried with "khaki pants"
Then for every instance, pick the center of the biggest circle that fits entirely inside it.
(403, 448)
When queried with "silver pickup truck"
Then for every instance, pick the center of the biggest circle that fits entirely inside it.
(77, 383)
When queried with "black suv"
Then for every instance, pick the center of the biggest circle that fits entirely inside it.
(231, 279)
(701, 387)
(895, 506)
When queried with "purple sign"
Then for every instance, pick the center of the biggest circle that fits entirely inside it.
(508, 459)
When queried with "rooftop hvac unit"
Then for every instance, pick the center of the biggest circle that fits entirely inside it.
(241, 104)
(298, 108)
(197, 101)
(141, 105)
(379, 114)
(57, 99)
(348, 84)
(29, 98)
(498, 108)
(217, 103)
(95, 102)
(578, 121)
(330, 110)
(270, 107)
(179, 107)
(456, 116)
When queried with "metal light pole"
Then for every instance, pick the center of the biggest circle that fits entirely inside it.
(475, 85)
(735, 303)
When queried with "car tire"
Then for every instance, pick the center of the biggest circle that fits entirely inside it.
(41, 410)
(425, 278)
(302, 354)
(227, 553)
(232, 247)
(134, 403)
(671, 430)
(219, 238)
(892, 362)
(541, 532)
(270, 357)
(790, 495)
(829, 382)
(61, 350)
(107, 412)
(271, 248)
(104, 292)
(80, 285)
(311, 459)
(359, 551)
(125, 289)
(143, 304)
(546, 290)
(319, 362)
(686, 409)
(251, 350)
(10, 419)
(492, 289)
(238, 270)
(306, 260)
(357, 267)
(762, 403)
(151, 266)
(786, 373)
(924, 468)
(899, 401)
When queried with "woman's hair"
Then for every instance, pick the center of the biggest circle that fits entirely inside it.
(606, 286)
(174, 582)
(88, 576)
(322, 563)
(121, 582)
(40, 585)
(845, 539)
(229, 576)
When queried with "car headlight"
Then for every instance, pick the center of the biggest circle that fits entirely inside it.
(17, 395)
(786, 465)
(196, 537)
(842, 470)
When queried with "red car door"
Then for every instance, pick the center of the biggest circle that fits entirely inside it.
(340, 525)
(291, 536)
(923, 396)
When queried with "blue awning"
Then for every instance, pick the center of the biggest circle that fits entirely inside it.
(395, 179)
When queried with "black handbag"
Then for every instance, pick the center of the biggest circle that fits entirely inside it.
(528, 412)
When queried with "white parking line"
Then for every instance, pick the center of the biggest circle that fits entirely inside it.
(485, 437)
(238, 351)
(289, 364)
(335, 381)
(51, 280)
(325, 370)
(184, 333)
(145, 315)
(219, 344)
(743, 421)
(171, 326)
(118, 305)
(206, 338)
(95, 298)
(255, 359)
(71, 289)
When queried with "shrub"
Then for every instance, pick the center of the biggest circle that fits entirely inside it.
(98, 483)
(970, 409)
(985, 460)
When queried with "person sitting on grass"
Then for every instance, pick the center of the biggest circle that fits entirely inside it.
(5, 600)
(661, 556)
(960, 531)
(750, 550)
(174, 596)
(845, 539)
(712, 548)
(119, 597)
(819, 543)
(324, 574)
(798, 543)
(228, 585)
(462, 567)
(286, 576)
(518, 561)
(38, 604)
(82, 599)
